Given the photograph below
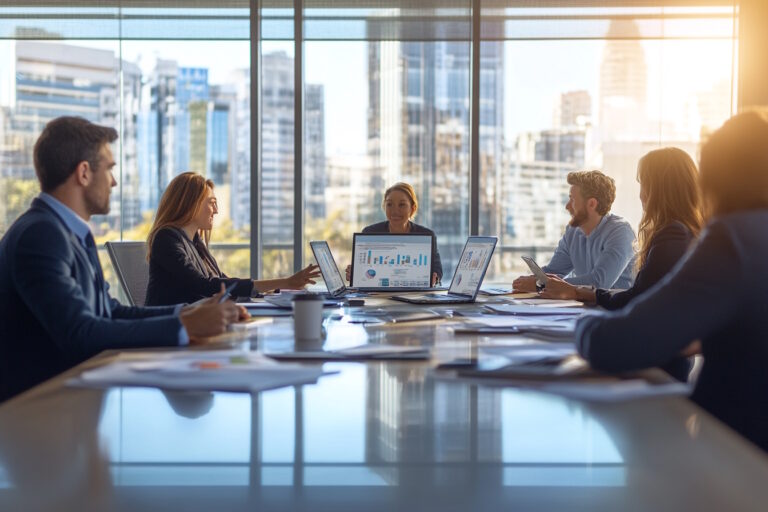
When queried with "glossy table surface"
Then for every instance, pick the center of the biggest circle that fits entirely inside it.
(375, 436)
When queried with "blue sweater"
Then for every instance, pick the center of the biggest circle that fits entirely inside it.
(603, 259)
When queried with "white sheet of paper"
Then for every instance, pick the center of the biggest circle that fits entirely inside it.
(201, 370)
(551, 303)
(377, 349)
(523, 310)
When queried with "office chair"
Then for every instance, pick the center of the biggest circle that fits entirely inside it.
(130, 262)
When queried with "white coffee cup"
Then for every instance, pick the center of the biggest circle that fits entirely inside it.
(308, 317)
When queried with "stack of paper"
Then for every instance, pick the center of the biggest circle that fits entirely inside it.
(220, 370)
(547, 326)
(522, 309)
(358, 353)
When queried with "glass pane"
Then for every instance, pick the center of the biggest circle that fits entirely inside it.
(189, 110)
(277, 158)
(400, 113)
(596, 105)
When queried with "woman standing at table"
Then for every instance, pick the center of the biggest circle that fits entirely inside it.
(717, 294)
(400, 206)
(181, 268)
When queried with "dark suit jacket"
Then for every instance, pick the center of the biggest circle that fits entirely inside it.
(437, 264)
(667, 247)
(48, 303)
(718, 293)
(178, 272)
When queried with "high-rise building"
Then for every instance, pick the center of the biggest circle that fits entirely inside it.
(49, 80)
(418, 129)
(277, 155)
(624, 129)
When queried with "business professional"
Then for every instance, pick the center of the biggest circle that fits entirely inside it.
(56, 309)
(400, 205)
(669, 193)
(718, 293)
(597, 248)
(672, 218)
(181, 268)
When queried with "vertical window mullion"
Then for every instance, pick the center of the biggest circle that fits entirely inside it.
(256, 238)
(298, 135)
(474, 130)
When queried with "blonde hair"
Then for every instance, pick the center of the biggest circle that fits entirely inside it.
(181, 202)
(595, 184)
(406, 189)
(670, 181)
(734, 164)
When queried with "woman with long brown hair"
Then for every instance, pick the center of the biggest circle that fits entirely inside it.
(181, 268)
(672, 218)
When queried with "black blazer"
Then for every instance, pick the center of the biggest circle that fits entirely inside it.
(667, 247)
(178, 272)
(49, 315)
(437, 264)
(718, 293)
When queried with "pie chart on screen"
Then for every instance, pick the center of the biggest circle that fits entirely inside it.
(370, 273)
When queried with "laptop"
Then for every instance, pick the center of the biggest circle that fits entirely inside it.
(330, 271)
(469, 274)
(386, 262)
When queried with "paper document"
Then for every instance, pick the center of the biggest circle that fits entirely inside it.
(357, 353)
(616, 391)
(219, 370)
(551, 303)
(538, 352)
(516, 309)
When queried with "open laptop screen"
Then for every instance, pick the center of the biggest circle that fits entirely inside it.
(328, 268)
(391, 262)
(472, 265)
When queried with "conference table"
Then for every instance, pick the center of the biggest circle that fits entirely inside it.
(376, 435)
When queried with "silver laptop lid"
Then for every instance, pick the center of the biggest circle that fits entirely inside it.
(473, 263)
(328, 268)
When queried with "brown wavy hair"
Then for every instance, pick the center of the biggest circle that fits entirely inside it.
(595, 184)
(670, 181)
(734, 164)
(181, 201)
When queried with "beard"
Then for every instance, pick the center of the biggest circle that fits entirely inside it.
(578, 218)
(97, 205)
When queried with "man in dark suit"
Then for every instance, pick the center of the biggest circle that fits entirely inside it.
(55, 306)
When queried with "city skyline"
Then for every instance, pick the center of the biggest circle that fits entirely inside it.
(200, 120)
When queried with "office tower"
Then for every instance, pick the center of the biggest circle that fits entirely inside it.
(418, 129)
(240, 81)
(573, 110)
(314, 151)
(49, 80)
(624, 131)
(277, 161)
(129, 200)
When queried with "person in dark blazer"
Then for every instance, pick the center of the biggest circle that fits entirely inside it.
(669, 193)
(716, 297)
(55, 304)
(181, 268)
(400, 206)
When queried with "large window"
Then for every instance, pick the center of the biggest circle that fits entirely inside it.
(385, 95)
(590, 88)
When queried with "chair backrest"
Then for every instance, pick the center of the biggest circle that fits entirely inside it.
(129, 260)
